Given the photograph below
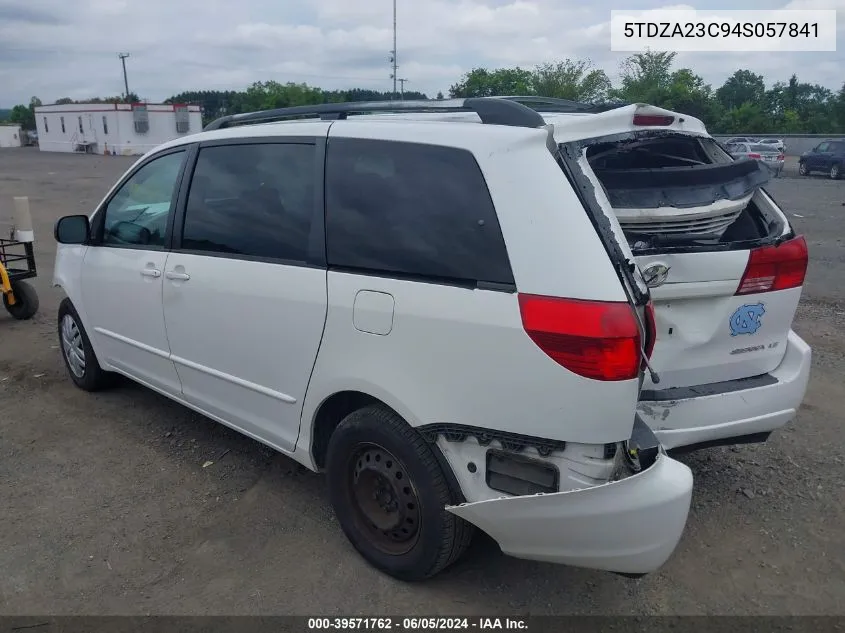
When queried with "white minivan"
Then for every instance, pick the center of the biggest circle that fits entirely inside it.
(478, 312)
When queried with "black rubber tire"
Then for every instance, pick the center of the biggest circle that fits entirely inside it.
(94, 378)
(443, 537)
(835, 172)
(26, 301)
(802, 169)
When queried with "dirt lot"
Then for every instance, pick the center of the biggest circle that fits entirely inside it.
(106, 508)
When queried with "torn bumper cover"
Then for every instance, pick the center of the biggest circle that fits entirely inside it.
(629, 526)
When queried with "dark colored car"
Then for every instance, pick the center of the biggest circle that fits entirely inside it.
(827, 157)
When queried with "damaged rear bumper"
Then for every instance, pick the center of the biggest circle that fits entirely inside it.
(629, 526)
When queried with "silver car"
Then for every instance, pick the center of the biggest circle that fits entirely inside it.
(777, 142)
(769, 155)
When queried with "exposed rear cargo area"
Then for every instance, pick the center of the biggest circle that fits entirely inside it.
(668, 189)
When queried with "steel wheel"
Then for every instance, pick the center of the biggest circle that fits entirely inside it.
(72, 346)
(834, 172)
(385, 499)
(802, 169)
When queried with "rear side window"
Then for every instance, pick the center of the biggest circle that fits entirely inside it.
(255, 200)
(837, 148)
(411, 209)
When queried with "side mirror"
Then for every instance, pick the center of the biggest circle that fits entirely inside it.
(72, 229)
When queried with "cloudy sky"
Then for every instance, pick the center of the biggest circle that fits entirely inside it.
(68, 48)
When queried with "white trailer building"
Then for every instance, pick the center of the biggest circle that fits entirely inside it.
(10, 135)
(113, 128)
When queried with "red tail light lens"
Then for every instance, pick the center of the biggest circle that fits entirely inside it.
(775, 267)
(757, 156)
(781, 157)
(653, 119)
(594, 339)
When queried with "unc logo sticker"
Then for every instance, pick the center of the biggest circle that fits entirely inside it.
(746, 319)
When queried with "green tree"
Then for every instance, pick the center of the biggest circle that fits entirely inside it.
(748, 118)
(814, 105)
(480, 82)
(743, 86)
(645, 77)
(575, 80)
(839, 110)
(687, 93)
(23, 116)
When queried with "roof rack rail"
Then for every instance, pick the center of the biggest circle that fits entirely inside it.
(553, 104)
(491, 110)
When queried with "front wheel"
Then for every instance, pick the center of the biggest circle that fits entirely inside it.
(26, 301)
(80, 361)
(389, 493)
(802, 169)
(835, 172)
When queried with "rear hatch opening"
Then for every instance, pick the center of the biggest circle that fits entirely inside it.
(671, 191)
(723, 266)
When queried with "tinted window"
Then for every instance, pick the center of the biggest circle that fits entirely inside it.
(837, 147)
(254, 200)
(137, 214)
(822, 147)
(411, 209)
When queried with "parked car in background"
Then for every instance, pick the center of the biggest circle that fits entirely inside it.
(739, 139)
(777, 142)
(827, 157)
(768, 154)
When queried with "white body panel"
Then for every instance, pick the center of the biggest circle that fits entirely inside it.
(461, 356)
(121, 291)
(629, 526)
(687, 421)
(244, 336)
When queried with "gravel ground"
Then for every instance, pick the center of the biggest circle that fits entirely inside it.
(108, 510)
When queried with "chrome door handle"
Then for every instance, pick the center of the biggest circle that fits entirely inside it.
(177, 276)
(151, 272)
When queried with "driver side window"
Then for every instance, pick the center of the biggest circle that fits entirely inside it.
(137, 214)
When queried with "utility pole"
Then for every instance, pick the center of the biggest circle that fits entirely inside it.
(123, 57)
(395, 61)
(402, 87)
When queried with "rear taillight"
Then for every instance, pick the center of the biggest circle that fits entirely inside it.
(757, 156)
(781, 157)
(775, 267)
(653, 119)
(594, 339)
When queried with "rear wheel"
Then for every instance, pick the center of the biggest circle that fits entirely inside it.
(802, 169)
(389, 494)
(26, 301)
(835, 171)
(80, 361)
